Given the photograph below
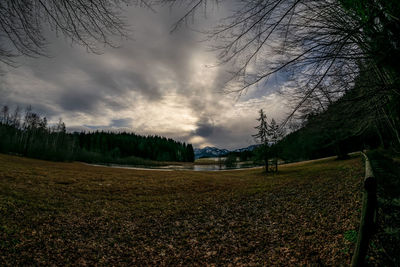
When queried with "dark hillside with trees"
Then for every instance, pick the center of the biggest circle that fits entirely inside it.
(352, 123)
(33, 137)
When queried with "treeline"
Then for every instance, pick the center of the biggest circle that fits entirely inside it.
(350, 124)
(353, 123)
(28, 134)
(122, 145)
(246, 155)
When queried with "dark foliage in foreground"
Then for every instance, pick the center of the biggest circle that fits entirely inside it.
(32, 137)
(384, 249)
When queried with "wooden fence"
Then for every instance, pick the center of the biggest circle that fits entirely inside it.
(367, 223)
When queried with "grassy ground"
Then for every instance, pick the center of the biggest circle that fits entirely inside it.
(75, 214)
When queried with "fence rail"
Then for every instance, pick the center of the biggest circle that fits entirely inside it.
(367, 223)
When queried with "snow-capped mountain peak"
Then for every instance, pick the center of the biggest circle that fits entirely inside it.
(209, 152)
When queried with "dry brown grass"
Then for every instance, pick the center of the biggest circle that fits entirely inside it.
(75, 214)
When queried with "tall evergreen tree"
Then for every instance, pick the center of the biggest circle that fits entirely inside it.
(275, 134)
(262, 137)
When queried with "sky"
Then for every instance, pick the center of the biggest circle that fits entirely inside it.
(154, 83)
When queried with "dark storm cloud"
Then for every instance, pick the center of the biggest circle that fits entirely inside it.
(78, 100)
(230, 136)
(138, 82)
(205, 128)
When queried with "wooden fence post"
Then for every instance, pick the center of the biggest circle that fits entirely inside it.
(367, 223)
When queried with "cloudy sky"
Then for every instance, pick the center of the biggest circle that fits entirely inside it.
(154, 83)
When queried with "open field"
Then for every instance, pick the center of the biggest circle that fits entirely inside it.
(72, 213)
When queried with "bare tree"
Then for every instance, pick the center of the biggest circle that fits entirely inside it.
(5, 116)
(23, 24)
(322, 43)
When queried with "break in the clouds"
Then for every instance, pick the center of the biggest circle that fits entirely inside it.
(155, 83)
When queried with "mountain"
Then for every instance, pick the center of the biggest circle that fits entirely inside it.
(249, 148)
(210, 152)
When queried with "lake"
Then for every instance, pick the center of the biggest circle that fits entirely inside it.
(194, 167)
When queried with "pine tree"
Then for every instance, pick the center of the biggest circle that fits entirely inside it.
(275, 134)
(190, 153)
(262, 137)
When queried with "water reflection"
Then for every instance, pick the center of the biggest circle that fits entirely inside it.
(194, 167)
(212, 167)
